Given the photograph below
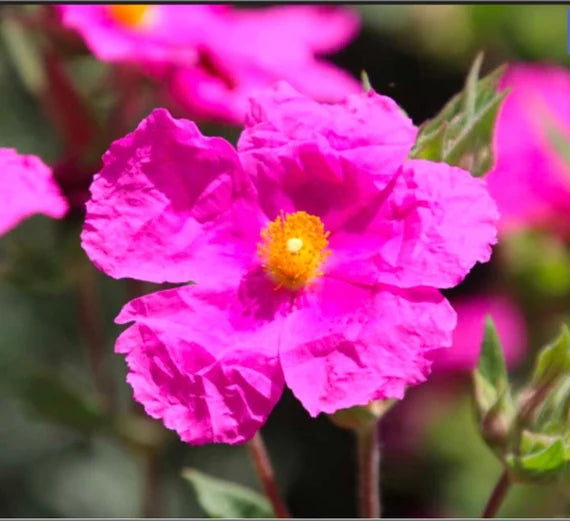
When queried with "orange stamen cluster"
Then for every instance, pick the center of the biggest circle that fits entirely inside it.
(293, 249)
(131, 15)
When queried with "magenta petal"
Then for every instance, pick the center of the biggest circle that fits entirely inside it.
(347, 345)
(447, 222)
(171, 205)
(27, 187)
(275, 30)
(202, 362)
(530, 177)
(169, 34)
(368, 129)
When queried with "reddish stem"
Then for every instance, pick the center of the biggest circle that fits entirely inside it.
(267, 476)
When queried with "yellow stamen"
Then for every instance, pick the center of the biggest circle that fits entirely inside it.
(293, 249)
(131, 15)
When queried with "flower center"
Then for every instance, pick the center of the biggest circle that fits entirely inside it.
(131, 15)
(293, 249)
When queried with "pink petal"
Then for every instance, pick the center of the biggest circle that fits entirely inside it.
(221, 91)
(205, 362)
(530, 180)
(170, 36)
(447, 222)
(320, 28)
(368, 129)
(171, 205)
(27, 187)
(347, 345)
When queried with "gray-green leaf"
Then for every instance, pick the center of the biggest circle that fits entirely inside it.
(219, 498)
(553, 360)
(461, 133)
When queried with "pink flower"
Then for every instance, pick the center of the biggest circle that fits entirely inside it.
(317, 249)
(27, 188)
(144, 33)
(531, 178)
(467, 337)
(214, 57)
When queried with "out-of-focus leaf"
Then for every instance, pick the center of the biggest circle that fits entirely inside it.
(490, 375)
(24, 56)
(361, 416)
(366, 85)
(51, 399)
(539, 261)
(34, 269)
(553, 360)
(221, 498)
(491, 390)
(559, 141)
(22, 125)
(461, 133)
(543, 465)
(554, 415)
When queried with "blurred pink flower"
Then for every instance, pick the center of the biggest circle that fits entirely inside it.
(531, 179)
(317, 249)
(213, 57)
(468, 335)
(26, 188)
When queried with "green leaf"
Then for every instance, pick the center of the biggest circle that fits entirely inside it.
(553, 360)
(492, 391)
(361, 416)
(554, 415)
(470, 91)
(491, 364)
(24, 56)
(221, 498)
(559, 141)
(543, 465)
(461, 133)
(51, 399)
(366, 85)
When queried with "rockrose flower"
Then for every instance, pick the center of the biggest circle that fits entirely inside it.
(468, 335)
(531, 177)
(213, 57)
(26, 188)
(317, 250)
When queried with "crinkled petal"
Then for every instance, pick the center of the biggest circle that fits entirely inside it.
(171, 205)
(205, 361)
(346, 345)
(367, 129)
(445, 222)
(27, 188)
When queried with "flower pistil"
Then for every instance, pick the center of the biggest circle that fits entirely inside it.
(293, 249)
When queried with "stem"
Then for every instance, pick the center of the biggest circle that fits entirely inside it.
(151, 497)
(368, 471)
(90, 326)
(266, 475)
(498, 495)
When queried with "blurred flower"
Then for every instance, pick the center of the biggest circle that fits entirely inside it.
(531, 177)
(144, 33)
(317, 249)
(213, 57)
(468, 335)
(27, 188)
